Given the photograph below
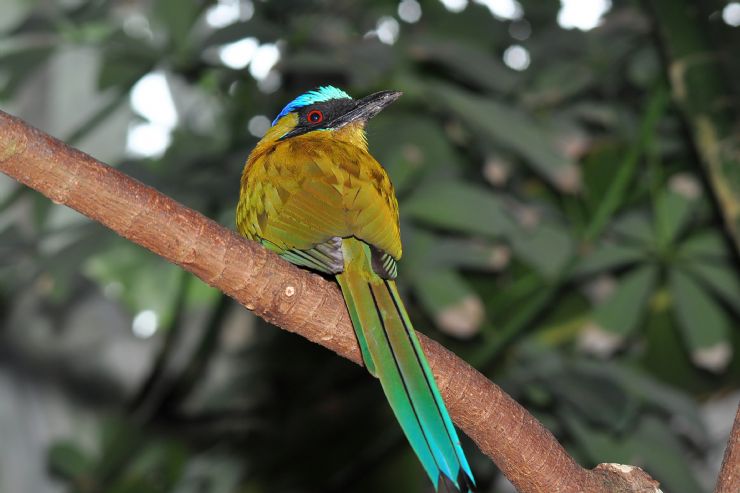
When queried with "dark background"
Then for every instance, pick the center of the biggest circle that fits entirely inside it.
(558, 234)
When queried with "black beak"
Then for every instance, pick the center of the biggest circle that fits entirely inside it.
(366, 108)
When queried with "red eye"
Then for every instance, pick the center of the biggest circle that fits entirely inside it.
(315, 116)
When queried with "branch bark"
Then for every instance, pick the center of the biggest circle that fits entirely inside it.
(729, 474)
(298, 301)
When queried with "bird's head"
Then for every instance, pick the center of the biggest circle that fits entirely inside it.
(328, 109)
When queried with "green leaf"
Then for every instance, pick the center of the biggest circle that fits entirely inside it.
(547, 247)
(125, 61)
(644, 67)
(444, 293)
(467, 62)
(557, 82)
(254, 27)
(705, 245)
(652, 445)
(597, 397)
(635, 226)
(474, 24)
(600, 167)
(177, 18)
(142, 280)
(721, 278)
(606, 257)
(471, 209)
(18, 64)
(515, 130)
(413, 149)
(459, 207)
(655, 447)
(14, 12)
(623, 310)
(659, 395)
(69, 461)
(468, 253)
(595, 441)
(702, 321)
(672, 213)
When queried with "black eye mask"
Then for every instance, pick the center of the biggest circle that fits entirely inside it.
(330, 110)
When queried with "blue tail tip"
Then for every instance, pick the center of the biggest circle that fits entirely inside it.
(464, 484)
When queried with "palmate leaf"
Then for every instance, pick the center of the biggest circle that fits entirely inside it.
(702, 321)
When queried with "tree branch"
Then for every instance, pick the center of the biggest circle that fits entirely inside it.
(729, 475)
(298, 301)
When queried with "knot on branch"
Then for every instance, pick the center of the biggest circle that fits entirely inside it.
(14, 143)
(620, 478)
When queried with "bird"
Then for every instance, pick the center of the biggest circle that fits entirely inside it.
(311, 192)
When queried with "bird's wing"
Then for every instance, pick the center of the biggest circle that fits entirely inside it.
(325, 257)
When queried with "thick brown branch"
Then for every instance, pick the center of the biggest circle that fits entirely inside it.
(295, 300)
(729, 474)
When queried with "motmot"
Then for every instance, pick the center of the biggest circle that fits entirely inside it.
(312, 192)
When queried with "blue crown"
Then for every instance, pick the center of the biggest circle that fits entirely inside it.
(323, 93)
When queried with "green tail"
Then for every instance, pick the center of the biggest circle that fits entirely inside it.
(392, 352)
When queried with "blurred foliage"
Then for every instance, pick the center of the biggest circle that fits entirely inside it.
(557, 234)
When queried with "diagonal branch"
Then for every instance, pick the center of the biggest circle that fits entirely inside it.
(296, 300)
(729, 475)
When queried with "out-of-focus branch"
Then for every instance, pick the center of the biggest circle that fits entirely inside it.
(702, 92)
(297, 301)
(729, 475)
